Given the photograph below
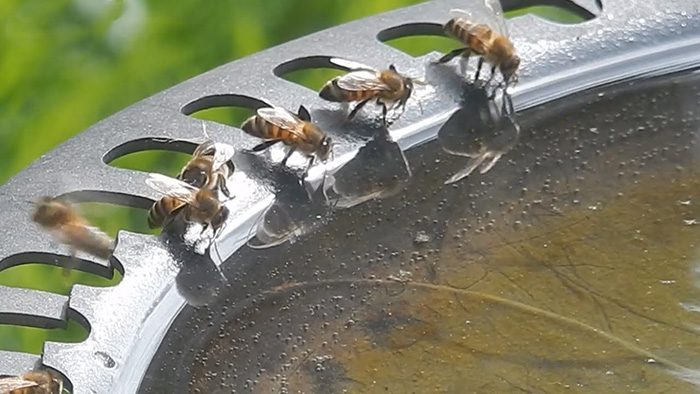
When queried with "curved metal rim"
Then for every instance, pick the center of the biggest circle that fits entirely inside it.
(558, 68)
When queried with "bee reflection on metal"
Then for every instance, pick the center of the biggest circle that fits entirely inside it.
(482, 130)
(485, 35)
(378, 170)
(275, 124)
(389, 88)
(62, 221)
(37, 382)
(197, 205)
(294, 213)
(208, 169)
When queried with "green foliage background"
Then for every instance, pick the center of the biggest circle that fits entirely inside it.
(66, 64)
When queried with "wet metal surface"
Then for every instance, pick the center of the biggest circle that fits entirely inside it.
(571, 264)
(362, 252)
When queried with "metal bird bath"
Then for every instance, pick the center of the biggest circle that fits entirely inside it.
(568, 265)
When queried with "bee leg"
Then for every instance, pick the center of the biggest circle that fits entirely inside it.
(358, 107)
(451, 55)
(72, 262)
(264, 145)
(308, 166)
(464, 62)
(385, 110)
(289, 153)
(221, 184)
(478, 69)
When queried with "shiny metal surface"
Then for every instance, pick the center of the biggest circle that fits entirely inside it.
(128, 321)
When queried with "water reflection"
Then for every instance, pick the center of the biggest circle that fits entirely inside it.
(578, 271)
(483, 129)
(379, 170)
(297, 209)
(199, 280)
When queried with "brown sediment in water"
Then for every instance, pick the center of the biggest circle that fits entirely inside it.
(588, 300)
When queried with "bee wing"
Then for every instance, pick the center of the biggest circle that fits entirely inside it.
(283, 119)
(222, 154)
(172, 187)
(349, 64)
(204, 149)
(359, 80)
(491, 14)
(15, 383)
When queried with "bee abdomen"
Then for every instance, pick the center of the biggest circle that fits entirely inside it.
(161, 211)
(256, 126)
(458, 29)
(332, 92)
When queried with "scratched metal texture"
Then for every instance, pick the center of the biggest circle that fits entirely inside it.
(621, 40)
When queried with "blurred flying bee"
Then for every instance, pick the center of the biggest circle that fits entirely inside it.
(388, 87)
(275, 124)
(62, 221)
(209, 169)
(37, 382)
(197, 205)
(486, 36)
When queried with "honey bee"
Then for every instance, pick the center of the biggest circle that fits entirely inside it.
(61, 220)
(209, 169)
(487, 37)
(37, 382)
(198, 205)
(275, 124)
(388, 87)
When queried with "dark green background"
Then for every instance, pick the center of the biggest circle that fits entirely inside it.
(65, 65)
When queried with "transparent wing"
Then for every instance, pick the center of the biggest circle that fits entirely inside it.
(204, 149)
(172, 187)
(359, 80)
(282, 118)
(349, 64)
(490, 14)
(14, 383)
(222, 154)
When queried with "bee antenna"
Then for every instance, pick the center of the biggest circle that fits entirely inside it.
(204, 130)
(420, 106)
(392, 68)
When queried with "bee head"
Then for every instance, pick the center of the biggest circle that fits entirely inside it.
(196, 177)
(324, 149)
(510, 67)
(49, 212)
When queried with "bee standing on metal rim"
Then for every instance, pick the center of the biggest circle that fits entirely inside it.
(37, 382)
(209, 168)
(60, 219)
(486, 36)
(276, 124)
(388, 87)
(197, 205)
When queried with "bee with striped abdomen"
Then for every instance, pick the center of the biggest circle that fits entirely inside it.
(36, 382)
(209, 169)
(486, 36)
(389, 88)
(67, 226)
(276, 124)
(196, 204)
